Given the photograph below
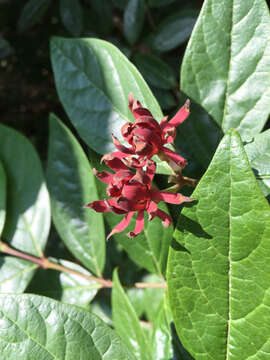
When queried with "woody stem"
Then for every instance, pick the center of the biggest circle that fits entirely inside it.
(45, 263)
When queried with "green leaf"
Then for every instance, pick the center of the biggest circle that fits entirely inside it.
(162, 335)
(15, 274)
(198, 137)
(258, 153)
(44, 329)
(104, 15)
(127, 323)
(72, 185)
(147, 301)
(31, 13)
(155, 71)
(71, 16)
(63, 286)
(226, 65)
(93, 80)
(174, 30)
(218, 268)
(121, 4)
(133, 20)
(3, 195)
(28, 209)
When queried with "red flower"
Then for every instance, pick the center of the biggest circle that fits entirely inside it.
(132, 193)
(147, 137)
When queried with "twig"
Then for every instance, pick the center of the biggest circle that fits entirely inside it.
(47, 264)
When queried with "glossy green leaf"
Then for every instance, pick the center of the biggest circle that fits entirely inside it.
(258, 153)
(102, 10)
(218, 268)
(63, 286)
(93, 80)
(226, 66)
(155, 71)
(72, 185)
(31, 13)
(28, 209)
(15, 274)
(3, 195)
(174, 30)
(133, 20)
(127, 323)
(43, 329)
(72, 16)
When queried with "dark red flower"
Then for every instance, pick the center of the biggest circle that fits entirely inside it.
(130, 193)
(147, 137)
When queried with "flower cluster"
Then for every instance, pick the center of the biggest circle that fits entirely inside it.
(132, 191)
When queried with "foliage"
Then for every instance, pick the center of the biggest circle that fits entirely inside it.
(198, 289)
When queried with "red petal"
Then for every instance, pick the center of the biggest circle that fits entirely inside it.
(136, 107)
(169, 197)
(152, 208)
(103, 176)
(179, 160)
(99, 206)
(150, 170)
(135, 191)
(113, 160)
(148, 135)
(166, 220)
(139, 225)
(148, 121)
(122, 225)
(114, 207)
(121, 147)
(181, 115)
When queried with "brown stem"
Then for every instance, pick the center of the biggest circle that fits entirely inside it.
(47, 264)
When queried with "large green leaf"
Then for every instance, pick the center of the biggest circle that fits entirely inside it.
(133, 20)
(93, 80)
(31, 13)
(226, 67)
(258, 153)
(174, 30)
(3, 195)
(72, 185)
(28, 209)
(218, 269)
(72, 16)
(64, 286)
(127, 323)
(38, 328)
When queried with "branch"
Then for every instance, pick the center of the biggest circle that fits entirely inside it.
(47, 264)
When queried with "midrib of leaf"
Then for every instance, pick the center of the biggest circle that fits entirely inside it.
(19, 273)
(229, 258)
(28, 335)
(229, 71)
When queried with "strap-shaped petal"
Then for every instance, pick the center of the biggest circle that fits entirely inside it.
(122, 225)
(139, 225)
